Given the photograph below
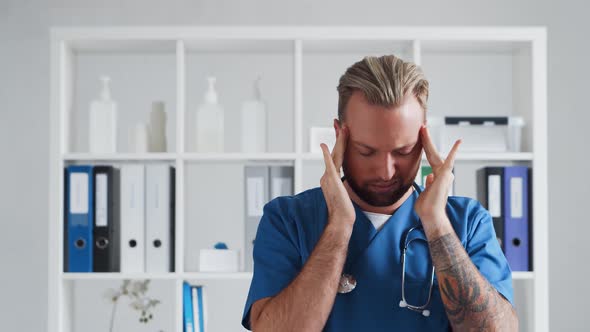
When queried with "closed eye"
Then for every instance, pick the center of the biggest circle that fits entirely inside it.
(404, 153)
(367, 154)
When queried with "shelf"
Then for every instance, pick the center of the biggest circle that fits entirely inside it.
(119, 276)
(120, 157)
(217, 275)
(523, 275)
(159, 276)
(239, 156)
(474, 156)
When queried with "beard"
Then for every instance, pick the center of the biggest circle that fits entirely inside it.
(379, 199)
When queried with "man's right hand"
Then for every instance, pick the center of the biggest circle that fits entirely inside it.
(340, 208)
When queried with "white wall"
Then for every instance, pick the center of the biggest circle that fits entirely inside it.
(24, 107)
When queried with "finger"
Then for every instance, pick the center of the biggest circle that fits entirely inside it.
(340, 147)
(429, 180)
(327, 158)
(432, 154)
(450, 161)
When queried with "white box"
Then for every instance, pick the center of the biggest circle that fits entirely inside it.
(219, 260)
(479, 134)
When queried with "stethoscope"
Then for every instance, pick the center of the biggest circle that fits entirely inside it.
(348, 283)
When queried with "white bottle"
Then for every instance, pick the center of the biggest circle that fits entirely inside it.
(139, 138)
(102, 122)
(209, 126)
(254, 123)
(157, 127)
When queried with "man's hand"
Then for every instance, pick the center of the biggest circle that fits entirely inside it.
(340, 208)
(430, 205)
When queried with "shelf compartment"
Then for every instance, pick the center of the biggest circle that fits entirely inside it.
(498, 74)
(217, 307)
(141, 72)
(89, 307)
(236, 64)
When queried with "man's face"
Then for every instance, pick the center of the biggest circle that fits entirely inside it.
(383, 152)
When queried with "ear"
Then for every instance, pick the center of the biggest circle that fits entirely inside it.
(337, 127)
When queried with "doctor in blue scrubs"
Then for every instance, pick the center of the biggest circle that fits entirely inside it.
(373, 251)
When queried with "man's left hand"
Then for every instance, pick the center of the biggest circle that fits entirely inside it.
(430, 205)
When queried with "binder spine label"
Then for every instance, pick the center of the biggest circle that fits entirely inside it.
(101, 216)
(79, 193)
(494, 202)
(256, 202)
(516, 204)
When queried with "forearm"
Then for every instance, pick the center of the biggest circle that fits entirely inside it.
(307, 302)
(471, 302)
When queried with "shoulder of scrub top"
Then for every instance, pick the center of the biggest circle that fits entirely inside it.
(304, 211)
(306, 202)
(466, 215)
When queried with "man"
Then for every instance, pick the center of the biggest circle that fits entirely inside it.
(330, 258)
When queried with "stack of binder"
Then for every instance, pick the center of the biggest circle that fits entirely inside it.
(119, 220)
(263, 184)
(194, 308)
(506, 193)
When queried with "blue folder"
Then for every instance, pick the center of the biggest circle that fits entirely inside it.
(187, 306)
(201, 308)
(80, 217)
(516, 217)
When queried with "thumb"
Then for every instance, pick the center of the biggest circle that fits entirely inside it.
(429, 179)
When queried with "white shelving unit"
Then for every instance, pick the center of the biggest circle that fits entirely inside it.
(472, 71)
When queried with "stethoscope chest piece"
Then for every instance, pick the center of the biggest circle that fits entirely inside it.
(347, 283)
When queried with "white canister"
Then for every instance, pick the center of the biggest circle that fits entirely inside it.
(139, 138)
(218, 260)
(515, 125)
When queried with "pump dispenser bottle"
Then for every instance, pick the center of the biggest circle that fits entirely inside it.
(102, 124)
(254, 123)
(210, 122)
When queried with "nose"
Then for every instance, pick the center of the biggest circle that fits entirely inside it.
(386, 167)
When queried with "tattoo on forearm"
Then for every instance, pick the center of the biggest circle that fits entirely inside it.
(468, 297)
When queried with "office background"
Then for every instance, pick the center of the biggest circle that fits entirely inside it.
(24, 117)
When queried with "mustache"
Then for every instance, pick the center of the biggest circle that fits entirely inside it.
(382, 183)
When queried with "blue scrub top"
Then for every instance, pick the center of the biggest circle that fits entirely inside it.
(291, 226)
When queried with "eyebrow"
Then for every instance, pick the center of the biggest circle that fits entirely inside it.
(374, 149)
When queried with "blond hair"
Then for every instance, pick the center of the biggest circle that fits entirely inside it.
(384, 81)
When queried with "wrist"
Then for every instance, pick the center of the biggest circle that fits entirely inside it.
(340, 227)
(435, 227)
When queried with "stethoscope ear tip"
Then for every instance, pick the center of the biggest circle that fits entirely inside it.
(403, 304)
(426, 313)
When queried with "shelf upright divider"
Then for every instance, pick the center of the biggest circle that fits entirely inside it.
(298, 113)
